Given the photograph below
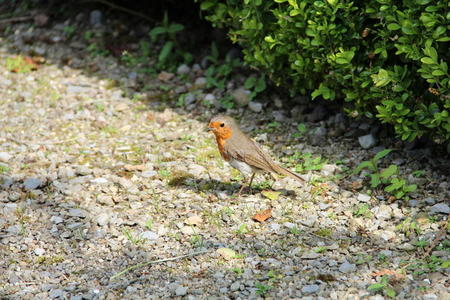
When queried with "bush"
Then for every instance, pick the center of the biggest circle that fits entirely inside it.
(385, 58)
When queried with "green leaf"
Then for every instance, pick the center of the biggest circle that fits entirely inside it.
(250, 82)
(427, 60)
(390, 293)
(381, 79)
(382, 154)
(173, 28)
(393, 26)
(376, 287)
(438, 73)
(363, 165)
(156, 31)
(165, 51)
(388, 172)
(445, 264)
(375, 180)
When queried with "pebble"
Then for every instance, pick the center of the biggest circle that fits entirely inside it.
(149, 235)
(5, 157)
(103, 219)
(149, 174)
(181, 291)
(363, 198)
(241, 96)
(347, 267)
(430, 297)
(440, 208)
(39, 251)
(328, 170)
(367, 141)
(78, 213)
(430, 200)
(56, 293)
(32, 183)
(183, 69)
(189, 99)
(95, 18)
(255, 107)
(318, 114)
(235, 286)
(56, 219)
(99, 180)
(200, 82)
(310, 289)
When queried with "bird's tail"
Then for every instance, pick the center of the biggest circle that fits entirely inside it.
(286, 172)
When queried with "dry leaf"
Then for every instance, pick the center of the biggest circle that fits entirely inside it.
(134, 167)
(262, 216)
(194, 220)
(357, 185)
(165, 76)
(226, 253)
(271, 194)
(387, 272)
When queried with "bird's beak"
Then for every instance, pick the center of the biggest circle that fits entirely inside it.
(210, 129)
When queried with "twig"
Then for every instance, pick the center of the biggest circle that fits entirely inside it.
(124, 9)
(16, 19)
(156, 262)
(438, 236)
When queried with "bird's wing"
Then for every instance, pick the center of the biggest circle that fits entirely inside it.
(249, 152)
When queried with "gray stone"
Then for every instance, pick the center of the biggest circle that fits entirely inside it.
(430, 200)
(83, 170)
(318, 114)
(200, 82)
(95, 18)
(209, 98)
(78, 213)
(99, 180)
(75, 89)
(310, 289)
(56, 293)
(318, 136)
(328, 170)
(181, 291)
(32, 183)
(103, 219)
(255, 106)
(149, 235)
(189, 99)
(310, 255)
(367, 141)
(6, 183)
(235, 286)
(387, 253)
(413, 203)
(132, 76)
(5, 157)
(440, 208)
(241, 96)
(39, 251)
(149, 174)
(279, 116)
(363, 198)
(430, 297)
(347, 267)
(183, 69)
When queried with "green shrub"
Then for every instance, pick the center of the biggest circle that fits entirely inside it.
(385, 58)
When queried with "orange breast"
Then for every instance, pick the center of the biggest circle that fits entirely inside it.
(221, 145)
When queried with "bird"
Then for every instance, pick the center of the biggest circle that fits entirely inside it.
(243, 153)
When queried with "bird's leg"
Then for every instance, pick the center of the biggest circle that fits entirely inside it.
(243, 185)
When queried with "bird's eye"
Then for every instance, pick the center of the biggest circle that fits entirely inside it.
(222, 124)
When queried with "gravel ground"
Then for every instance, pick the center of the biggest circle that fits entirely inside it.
(101, 171)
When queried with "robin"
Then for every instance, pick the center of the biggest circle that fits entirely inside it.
(241, 152)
